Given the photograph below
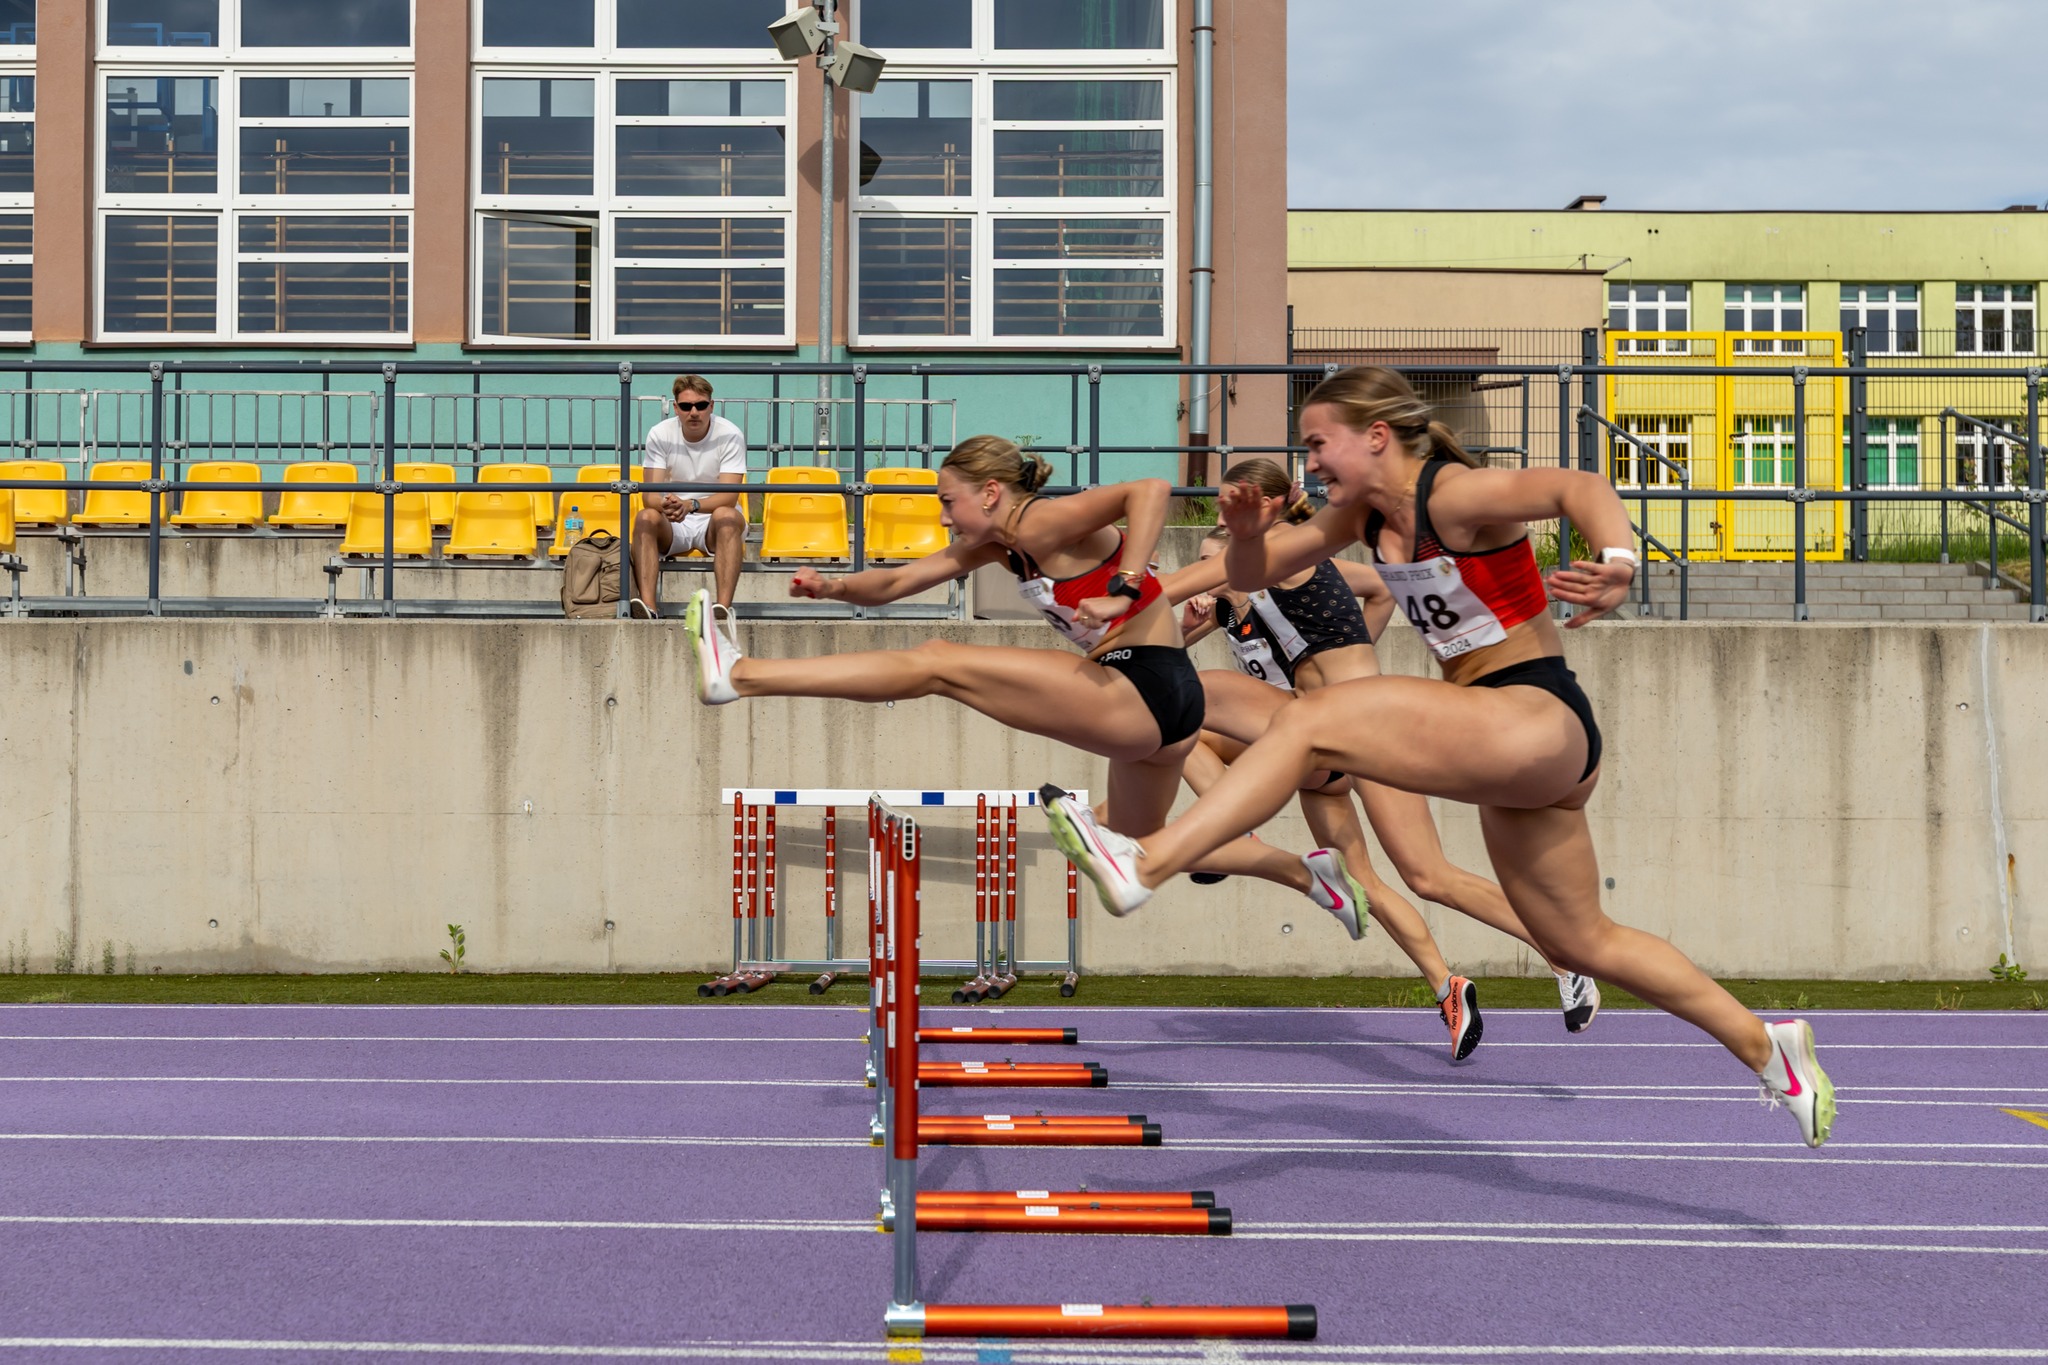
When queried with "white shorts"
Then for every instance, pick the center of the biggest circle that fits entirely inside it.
(689, 534)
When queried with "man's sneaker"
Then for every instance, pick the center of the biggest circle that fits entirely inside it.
(1793, 1078)
(711, 649)
(1460, 1010)
(1108, 859)
(1331, 885)
(1581, 996)
(640, 611)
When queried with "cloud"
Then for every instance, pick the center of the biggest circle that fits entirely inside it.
(1713, 104)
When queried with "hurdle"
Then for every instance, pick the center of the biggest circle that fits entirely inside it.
(897, 873)
(757, 903)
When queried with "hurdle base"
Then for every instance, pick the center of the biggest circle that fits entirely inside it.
(1293, 1322)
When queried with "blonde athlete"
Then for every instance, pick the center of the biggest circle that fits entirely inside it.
(1130, 696)
(1309, 632)
(1508, 729)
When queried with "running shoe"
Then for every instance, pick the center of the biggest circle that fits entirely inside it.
(1460, 1010)
(711, 649)
(1793, 1078)
(1107, 858)
(1331, 885)
(1581, 996)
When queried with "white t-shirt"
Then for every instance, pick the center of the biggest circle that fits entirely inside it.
(672, 458)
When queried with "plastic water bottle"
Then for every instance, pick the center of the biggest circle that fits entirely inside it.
(572, 526)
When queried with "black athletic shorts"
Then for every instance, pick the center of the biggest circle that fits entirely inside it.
(1550, 675)
(1167, 680)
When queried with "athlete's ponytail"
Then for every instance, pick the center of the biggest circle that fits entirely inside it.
(1365, 394)
(981, 458)
(1272, 482)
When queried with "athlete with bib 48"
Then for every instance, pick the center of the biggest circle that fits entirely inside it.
(1130, 695)
(1507, 730)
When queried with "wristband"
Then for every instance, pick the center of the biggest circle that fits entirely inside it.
(1616, 552)
(1119, 586)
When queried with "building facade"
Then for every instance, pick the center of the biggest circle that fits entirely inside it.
(639, 180)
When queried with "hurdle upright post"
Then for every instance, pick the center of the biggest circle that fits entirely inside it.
(768, 861)
(905, 1306)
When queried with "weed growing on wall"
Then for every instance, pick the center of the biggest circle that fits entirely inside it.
(452, 955)
(130, 964)
(67, 954)
(107, 958)
(2011, 972)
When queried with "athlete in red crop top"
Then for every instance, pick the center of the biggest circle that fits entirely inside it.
(1508, 730)
(1130, 696)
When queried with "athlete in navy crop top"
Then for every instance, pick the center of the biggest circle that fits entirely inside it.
(1130, 696)
(1516, 746)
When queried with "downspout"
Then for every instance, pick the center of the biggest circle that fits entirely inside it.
(822, 426)
(1202, 273)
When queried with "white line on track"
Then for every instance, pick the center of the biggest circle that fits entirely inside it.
(941, 1352)
(1430, 1045)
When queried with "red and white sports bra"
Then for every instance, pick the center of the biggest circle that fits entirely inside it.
(1461, 600)
(1056, 598)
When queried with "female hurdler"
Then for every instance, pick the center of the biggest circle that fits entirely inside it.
(1507, 730)
(1309, 631)
(1130, 696)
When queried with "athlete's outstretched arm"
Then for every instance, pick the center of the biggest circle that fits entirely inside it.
(1375, 599)
(1198, 579)
(1140, 504)
(1262, 552)
(873, 587)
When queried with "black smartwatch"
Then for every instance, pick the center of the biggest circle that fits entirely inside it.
(1119, 586)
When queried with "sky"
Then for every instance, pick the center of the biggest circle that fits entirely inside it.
(1657, 104)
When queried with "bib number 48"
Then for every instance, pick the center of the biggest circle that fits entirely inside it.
(1440, 616)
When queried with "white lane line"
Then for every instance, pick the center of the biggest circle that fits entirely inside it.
(1253, 1233)
(1404, 1045)
(1030, 1352)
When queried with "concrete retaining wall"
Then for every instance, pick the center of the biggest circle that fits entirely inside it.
(1820, 800)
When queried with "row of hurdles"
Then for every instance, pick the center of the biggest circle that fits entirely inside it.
(900, 1075)
(496, 516)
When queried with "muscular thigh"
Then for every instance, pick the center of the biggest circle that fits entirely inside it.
(1046, 692)
(1238, 707)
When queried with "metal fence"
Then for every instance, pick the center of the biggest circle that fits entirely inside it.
(1776, 459)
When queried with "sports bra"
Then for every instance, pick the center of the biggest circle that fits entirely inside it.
(1287, 625)
(1056, 598)
(1460, 600)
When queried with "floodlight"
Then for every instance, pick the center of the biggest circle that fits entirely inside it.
(797, 33)
(855, 67)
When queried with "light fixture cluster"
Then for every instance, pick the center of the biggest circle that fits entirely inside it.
(806, 32)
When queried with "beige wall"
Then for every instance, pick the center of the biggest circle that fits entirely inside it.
(1447, 300)
(1782, 800)
(62, 283)
(441, 171)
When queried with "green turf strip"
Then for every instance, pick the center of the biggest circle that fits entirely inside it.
(1350, 992)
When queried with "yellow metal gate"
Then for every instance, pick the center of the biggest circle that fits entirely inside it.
(1727, 431)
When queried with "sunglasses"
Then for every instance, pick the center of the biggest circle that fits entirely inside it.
(704, 406)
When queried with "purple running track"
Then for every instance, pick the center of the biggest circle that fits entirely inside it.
(288, 1183)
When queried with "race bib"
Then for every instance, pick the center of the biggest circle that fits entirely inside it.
(1254, 656)
(1038, 593)
(1437, 603)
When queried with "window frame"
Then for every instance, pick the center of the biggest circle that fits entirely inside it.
(1891, 303)
(982, 53)
(232, 52)
(1753, 346)
(603, 207)
(1669, 434)
(983, 207)
(227, 204)
(1669, 346)
(18, 62)
(605, 52)
(1976, 446)
(1976, 306)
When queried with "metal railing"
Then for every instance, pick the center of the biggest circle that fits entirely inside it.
(1079, 464)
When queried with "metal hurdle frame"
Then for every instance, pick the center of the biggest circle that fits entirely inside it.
(995, 966)
(897, 865)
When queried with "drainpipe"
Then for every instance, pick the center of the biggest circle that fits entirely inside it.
(1201, 273)
(822, 428)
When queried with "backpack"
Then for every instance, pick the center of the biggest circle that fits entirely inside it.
(590, 577)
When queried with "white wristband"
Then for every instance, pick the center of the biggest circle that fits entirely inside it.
(1617, 552)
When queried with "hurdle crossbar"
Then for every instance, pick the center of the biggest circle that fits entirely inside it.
(995, 966)
(907, 1314)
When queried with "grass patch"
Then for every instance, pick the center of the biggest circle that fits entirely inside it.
(1329, 992)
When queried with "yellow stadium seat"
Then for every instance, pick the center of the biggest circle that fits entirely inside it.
(6, 526)
(208, 507)
(38, 506)
(804, 525)
(117, 506)
(299, 505)
(440, 506)
(543, 503)
(903, 525)
(599, 512)
(492, 524)
(412, 526)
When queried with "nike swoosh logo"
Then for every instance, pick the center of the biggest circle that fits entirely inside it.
(1793, 1089)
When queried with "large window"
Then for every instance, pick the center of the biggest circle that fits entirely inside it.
(635, 30)
(1994, 319)
(1658, 451)
(1990, 459)
(245, 192)
(1892, 451)
(1764, 452)
(1888, 313)
(1649, 308)
(619, 203)
(17, 173)
(1028, 205)
(1767, 308)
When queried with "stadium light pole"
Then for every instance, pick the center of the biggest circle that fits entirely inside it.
(812, 31)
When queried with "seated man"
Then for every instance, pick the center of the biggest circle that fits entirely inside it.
(691, 447)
